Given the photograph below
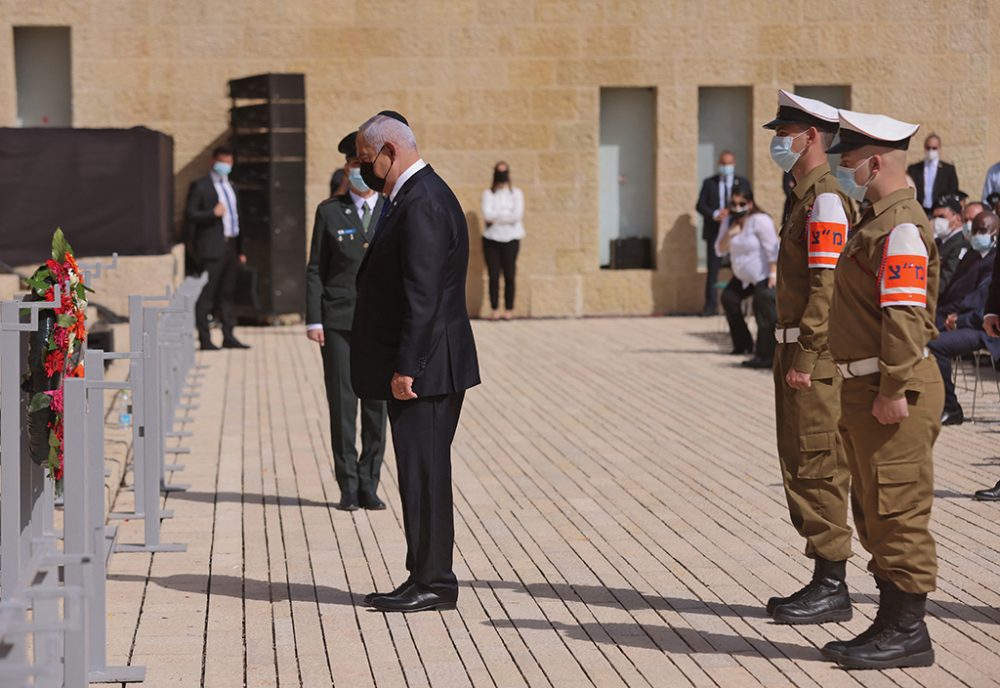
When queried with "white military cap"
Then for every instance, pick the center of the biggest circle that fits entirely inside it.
(793, 109)
(858, 129)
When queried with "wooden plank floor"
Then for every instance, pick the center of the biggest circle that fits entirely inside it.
(619, 517)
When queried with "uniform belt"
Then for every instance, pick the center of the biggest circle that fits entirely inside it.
(865, 366)
(786, 335)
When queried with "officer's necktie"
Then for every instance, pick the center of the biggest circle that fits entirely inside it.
(366, 216)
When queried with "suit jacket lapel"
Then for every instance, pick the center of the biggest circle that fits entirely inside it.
(385, 222)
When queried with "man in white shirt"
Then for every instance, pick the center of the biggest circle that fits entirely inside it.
(344, 227)
(213, 222)
(932, 177)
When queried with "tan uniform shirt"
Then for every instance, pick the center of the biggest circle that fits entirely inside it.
(805, 274)
(885, 292)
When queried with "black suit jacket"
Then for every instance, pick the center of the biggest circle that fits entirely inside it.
(972, 270)
(708, 203)
(204, 230)
(411, 316)
(339, 242)
(946, 181)
(993, 302)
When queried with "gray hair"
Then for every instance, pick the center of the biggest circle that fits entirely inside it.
(381, 129)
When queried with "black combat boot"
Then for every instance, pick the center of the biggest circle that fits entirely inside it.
(903, 642)
(825, 599)
(888, 600)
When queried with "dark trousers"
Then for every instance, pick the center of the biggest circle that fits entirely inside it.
(712, 263)
(218, 295)
(422, 432)
(764, 312)
(948, 345)
(501, 256)
(353, 474)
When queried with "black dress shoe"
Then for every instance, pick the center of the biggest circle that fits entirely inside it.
(348, 502)
(952, 417)
(758, 363)
(233, 343)
(990, 494)
(399, 590)
(370, 501)
(209, 346)
(415, 598)
(824, 600)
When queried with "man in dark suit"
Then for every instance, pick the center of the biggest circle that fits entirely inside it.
(713, 206)
(932, 177)
(413, 346)
(214, 226)
(975, 266)
(344, 227)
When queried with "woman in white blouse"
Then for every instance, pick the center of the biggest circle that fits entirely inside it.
(503, 210)
(748, 236)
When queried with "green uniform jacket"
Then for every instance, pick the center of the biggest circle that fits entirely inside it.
(862, 325)
(804, 292)
(951, 250)
(339, 242)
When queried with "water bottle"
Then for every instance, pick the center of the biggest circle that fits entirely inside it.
(125, 417)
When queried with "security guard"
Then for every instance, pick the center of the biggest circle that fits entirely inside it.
(806, 384)
(881, 319)
(344, 226)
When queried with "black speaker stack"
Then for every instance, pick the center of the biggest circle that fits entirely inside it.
(268, 120)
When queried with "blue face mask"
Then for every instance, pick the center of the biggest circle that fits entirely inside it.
(727, 170)
(222, 168)
(354, 177)
(781, 152)
(845, 175)
(981, 243)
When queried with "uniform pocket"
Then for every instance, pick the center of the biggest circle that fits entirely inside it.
(897, 487)
(818, 460)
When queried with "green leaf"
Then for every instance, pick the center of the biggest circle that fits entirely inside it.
(65, 320)
(81, 292)
(53, 441)
(52, 344)
(39, 401)
(59, 246)
(88, 289)
(39, 286)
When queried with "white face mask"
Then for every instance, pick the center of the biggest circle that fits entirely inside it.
(932, 155)
(942, 227)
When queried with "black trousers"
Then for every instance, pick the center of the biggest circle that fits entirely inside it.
(218, 294)
(712, 264)
(501, 256)
(353, 474)
(765, 312)
(948, 345)
(422, 432)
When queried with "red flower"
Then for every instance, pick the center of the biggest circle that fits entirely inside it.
(57, 400)
(57, 271)
(62, 337)
(54, 362)
(77, 372)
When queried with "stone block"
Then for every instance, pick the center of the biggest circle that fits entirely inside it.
(555, 297)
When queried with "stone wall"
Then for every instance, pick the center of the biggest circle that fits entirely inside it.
(482, 80)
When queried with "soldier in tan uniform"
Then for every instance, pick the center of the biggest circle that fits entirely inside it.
(806, 383)
(881, 319)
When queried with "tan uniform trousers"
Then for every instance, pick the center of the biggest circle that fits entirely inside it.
(814, 466)
(893, 472)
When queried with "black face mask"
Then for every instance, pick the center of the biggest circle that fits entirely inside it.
(501, 177)
(374, 182)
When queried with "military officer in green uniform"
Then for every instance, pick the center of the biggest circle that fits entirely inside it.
(881, 319)
(344, 226)
(814, 467)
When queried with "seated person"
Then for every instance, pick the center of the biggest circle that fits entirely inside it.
(973, 268)
(969, 212)
(963, 334)
(748, 236)
(952, 245)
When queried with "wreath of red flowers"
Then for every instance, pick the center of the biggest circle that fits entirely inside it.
(65, 342)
